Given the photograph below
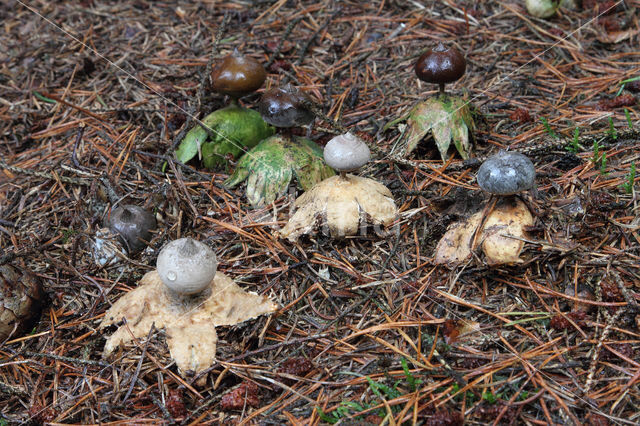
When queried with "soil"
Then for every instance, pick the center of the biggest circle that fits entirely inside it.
(94, 98)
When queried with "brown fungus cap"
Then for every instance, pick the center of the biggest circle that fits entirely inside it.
(237, 75)
(441, 65)
(285, 107)
(134, 225)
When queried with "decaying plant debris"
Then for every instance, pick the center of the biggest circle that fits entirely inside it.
(376, 318)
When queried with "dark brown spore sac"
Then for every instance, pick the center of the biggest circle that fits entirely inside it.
(285, 107)
(237, 75)
(441, 65)
(134, 225)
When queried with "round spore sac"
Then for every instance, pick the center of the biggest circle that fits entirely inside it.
(506, 173)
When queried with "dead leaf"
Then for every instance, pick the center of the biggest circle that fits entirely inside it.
(190, 322)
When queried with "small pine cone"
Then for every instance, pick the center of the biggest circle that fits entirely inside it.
(21, 299)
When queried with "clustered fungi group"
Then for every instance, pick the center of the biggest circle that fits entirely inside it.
(188, 297)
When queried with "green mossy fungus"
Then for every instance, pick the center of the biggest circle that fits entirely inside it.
(448, 118)
(269, 167)
(237, 129)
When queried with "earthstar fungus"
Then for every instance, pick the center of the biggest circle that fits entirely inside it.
(501, 226)
(269, 167)
(134, 225)
(236, 128)
(447, 117)
(345, 202)
(173, 297)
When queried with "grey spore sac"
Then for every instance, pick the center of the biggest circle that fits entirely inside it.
(346, 153)
(506, 173)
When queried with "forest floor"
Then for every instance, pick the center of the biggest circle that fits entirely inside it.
(94, 97)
